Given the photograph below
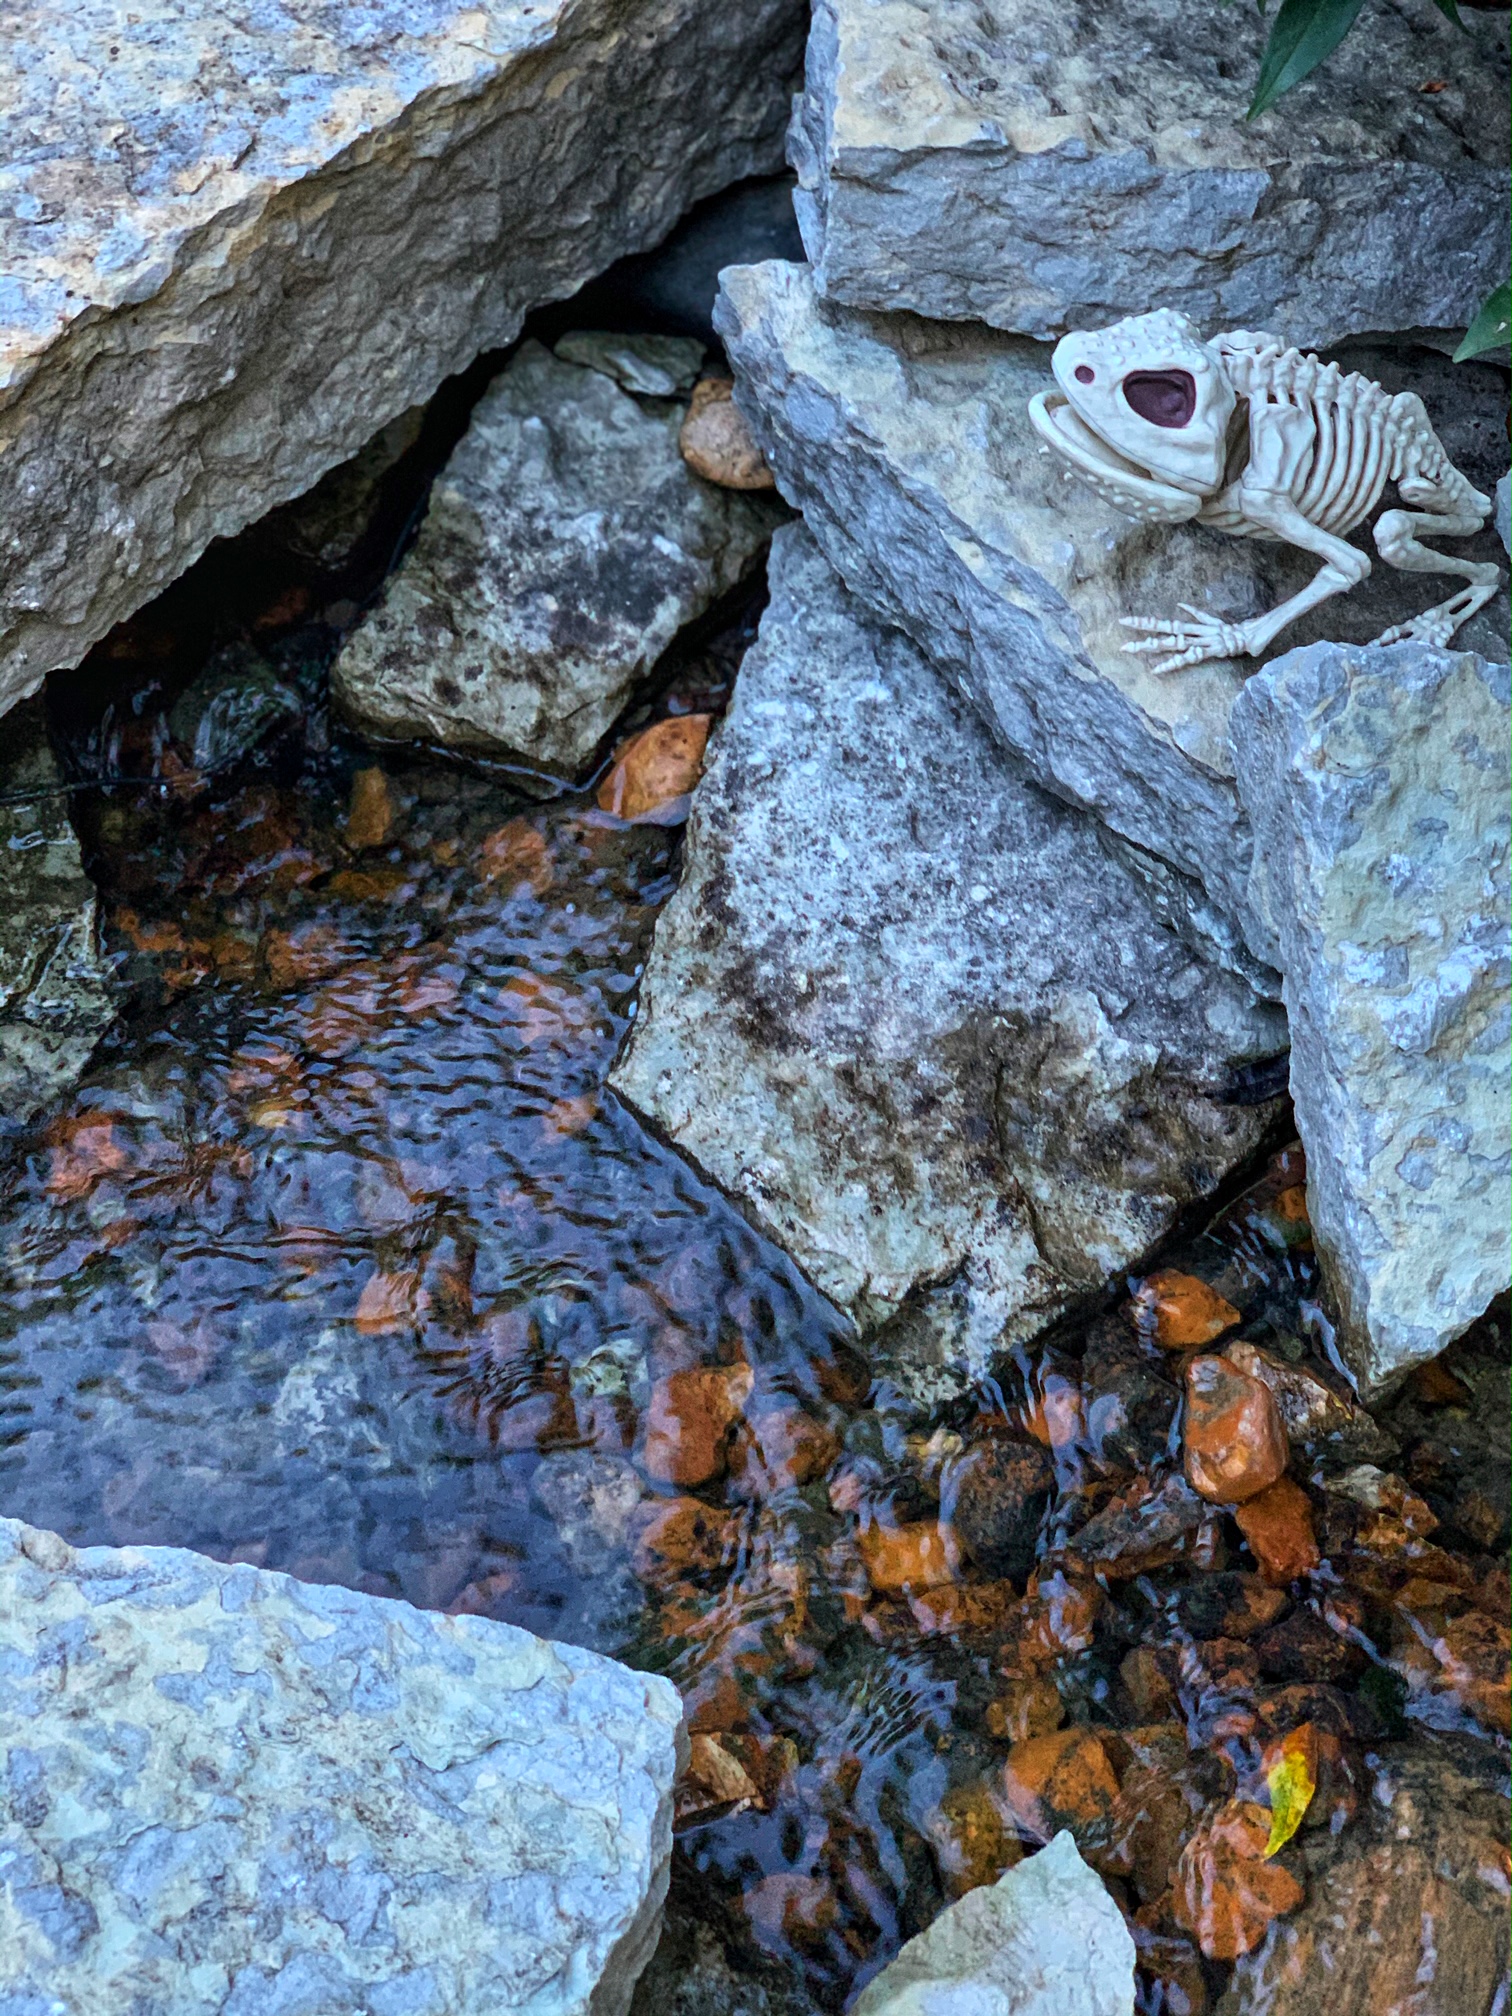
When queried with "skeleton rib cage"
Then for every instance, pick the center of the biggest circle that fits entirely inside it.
(1366, 438)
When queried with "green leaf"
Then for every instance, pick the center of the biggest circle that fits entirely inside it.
(1451, 12)
(1489, 329)
(1303, 33)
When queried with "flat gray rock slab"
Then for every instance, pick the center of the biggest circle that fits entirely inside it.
(1044, 1940)
(233, 247)
(231, 1791)
(911, 1014)
(566, 544)
(1043, 167)
(1377, 782)
(56, 998)
(908, 447)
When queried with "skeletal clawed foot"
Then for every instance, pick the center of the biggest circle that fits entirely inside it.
(1437, 626)
(1188, 643)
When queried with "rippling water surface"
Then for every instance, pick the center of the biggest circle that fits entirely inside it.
(342, 1260)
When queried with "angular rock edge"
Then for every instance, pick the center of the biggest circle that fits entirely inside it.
(1376, 780)
(231, 1789)
(247, 328)
(987, 162)
(908, 1013)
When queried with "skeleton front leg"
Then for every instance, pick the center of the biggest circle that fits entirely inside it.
(1204, 637)
(1261, 502)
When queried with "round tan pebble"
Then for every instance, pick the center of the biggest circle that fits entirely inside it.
(717, 442)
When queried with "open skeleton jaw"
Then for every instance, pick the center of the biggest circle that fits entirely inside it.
(1264, 443)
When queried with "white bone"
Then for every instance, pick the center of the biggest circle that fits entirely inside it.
(1142, 412)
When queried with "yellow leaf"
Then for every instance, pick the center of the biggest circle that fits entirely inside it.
(1292, 1775)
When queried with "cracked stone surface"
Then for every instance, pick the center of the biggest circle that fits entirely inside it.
(907, 446)
(229, 1790)
(1377, 783)
(1046, 167)
(56, 999)
(908, 1011)
(232, 249)
(566, 544)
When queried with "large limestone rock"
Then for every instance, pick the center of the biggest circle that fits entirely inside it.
(908, 1011)
(566, 544)
(55, 993)
(908, 447)
(229, 1790)
(233, 246)
(1044, 1940)
(1045, 167)
(1377, 783)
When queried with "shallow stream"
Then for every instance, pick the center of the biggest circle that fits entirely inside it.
(342, 1260)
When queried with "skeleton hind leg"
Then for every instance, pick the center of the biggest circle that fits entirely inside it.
(1399, 546)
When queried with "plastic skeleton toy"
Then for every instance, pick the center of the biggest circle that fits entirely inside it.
(1152, 417)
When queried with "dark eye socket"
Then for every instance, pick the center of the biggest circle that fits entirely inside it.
(1085, 374)
(1164, 398)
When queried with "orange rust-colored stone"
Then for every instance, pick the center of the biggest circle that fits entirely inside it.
(1180, 1312)
(682, 1536)
(1278, 1525)
(517, 855)
(1472, 1654)
(657, 768)
(717, 442)
(688, 1423)
(715, 1778)
(389, 1302)
(1026, 1707)
(955, 1609)
(1065, 1779)
(1055, 1416)
(972, 1843)
(1224, 1891)
(1059, 1614)
(1160, 1803)
(900, 1559)
(784, 1445)
(83, 1149)
(1235, 1444)
(370, 810)
(309, 952)
(1149, 1674)
(789, 1908)
(1434, 1385)
(715, 1701)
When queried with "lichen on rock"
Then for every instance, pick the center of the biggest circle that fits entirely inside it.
(907, 1010)
(565, 545)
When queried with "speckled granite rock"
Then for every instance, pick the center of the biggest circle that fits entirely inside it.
(229, 1790)
(908, 1011)
(55, 993)
(1502, 511)
(908, 447)
(565, 546)
(1045, 167)
(233, 246)
(1044, 1940)
(1377, 783)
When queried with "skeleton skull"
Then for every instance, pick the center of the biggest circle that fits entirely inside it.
(1146, 406)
